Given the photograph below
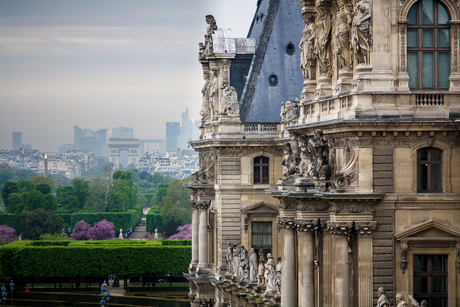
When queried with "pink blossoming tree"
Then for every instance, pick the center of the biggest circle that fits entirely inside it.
(102, 230)
(80, 231)
(7, 234)
(183, 233)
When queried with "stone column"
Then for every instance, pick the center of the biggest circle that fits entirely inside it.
(365, 230)
(203, 238)
(341, 231)
(195, 237)
(327, 271)
(288, 273)
(305, 272)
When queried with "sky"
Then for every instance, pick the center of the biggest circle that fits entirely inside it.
(103, 64)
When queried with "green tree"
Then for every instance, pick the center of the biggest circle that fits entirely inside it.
(43, 188)
(141, 200)
(63, 193)
(161, 193)
(33, 200)
(5, 176)
(39, 222)
(8, 188)
(96, 198)
(49, 202)
(117, 201)
(41, 179)
(175, 207)
(81, 191)
(25, 186)
(15, 203)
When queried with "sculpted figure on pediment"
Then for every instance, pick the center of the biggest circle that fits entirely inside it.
(229, 102)
(212, 26)
(291, 157)
(362, 31)
(319, 149)
(205, 171)
(213, 95)
(290, 111)
(307, 43)
(343, 34)
(323, 40)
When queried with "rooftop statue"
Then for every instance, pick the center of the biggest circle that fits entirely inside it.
(307, 55)
(361, 31)
(343, 34)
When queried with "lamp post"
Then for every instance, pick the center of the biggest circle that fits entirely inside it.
(107, 297)
(12, 288)
(4, 295)
(102, 302)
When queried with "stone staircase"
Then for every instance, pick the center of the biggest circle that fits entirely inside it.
(140, 231)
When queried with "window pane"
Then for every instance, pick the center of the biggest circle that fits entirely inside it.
(443, 38)
(256, 227)
(439, 263)
(267, 239)
(422, 177)
(265, 160)
(412, 16)
(443, 69)
(267, 227)
(256, 160)
(439, 302)
(439, 285)
(422, 155)
(256, 239)
(435, 178)
(265, 174)
(427, 69)
(443, 17)
(412, 38)
(427, 38)
(256, 174)
(427, 7)
(412, 69)
(420, 264)
(435, 154)
(420, 285)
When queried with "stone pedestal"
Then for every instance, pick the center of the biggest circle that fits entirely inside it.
(308, 91)
(324, 87)
(344, 81)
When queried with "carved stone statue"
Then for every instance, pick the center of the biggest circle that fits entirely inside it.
(342, 35)
(383, 300)
(229, 101)
(205, 110)
(212, 26)
(261, 270)
(306, 159)
(307, 54)
(415, 303)
(278, 276)
(323, 40)
(361, 31)
(243, 264)
(229, 258)
(270, 275)
(236, 260)
(401, 301)
(205, 171)
(320, 151)
(213, 94)
(290, 111)
(253, 266)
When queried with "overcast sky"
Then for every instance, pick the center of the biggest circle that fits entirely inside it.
(103, 64)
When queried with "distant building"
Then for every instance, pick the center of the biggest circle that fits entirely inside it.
(188, 131)
(17, 140)
(172, 132)
(122, 132)
(66, 148)
(87, 139)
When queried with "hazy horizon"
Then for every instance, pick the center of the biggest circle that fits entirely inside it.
(103, 64)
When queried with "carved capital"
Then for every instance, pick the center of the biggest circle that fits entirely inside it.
(202, 204)
(403, 263)
(339, 228)
(306, 224)
(365, 228)
(285, 222)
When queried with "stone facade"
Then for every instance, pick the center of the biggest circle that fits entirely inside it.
(356, 187)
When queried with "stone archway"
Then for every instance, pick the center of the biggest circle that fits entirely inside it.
(118, 145)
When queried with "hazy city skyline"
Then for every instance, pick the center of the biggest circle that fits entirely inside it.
(103, 64)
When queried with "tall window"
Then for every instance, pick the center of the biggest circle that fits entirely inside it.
(261, 174)
(430, 279)
(428, 45)
(429, 170)
(262, 237)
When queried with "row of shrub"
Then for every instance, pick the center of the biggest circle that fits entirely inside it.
(88, 258)
(153, 219)
(123, 220)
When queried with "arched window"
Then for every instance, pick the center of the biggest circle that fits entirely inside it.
(429, 170)
(428, 45)
(261, 170)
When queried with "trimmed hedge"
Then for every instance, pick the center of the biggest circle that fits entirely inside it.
(118, 258)
(176, 242)
(153, 220)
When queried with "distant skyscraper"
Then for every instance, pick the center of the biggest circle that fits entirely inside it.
(188, 131)
(122, 132)
(172, 132)
(87, 139)
(17, 140)
(77, 135)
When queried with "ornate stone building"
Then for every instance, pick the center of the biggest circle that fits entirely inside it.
(330, 139)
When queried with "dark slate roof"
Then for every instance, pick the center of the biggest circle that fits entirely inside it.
(276, 24)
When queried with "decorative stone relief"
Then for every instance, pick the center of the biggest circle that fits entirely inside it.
(319, 150)
(322, 44)
(403, 263)
(342, 179)
(339, 228)
(351, 208)
(290, 111)
(362, 31)
(342, 35)
(206, 169)
(229, 102)
(307, 43)
(285, 222)
(312, 207)
(306, 225)
(213, 95)
(365, 228)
